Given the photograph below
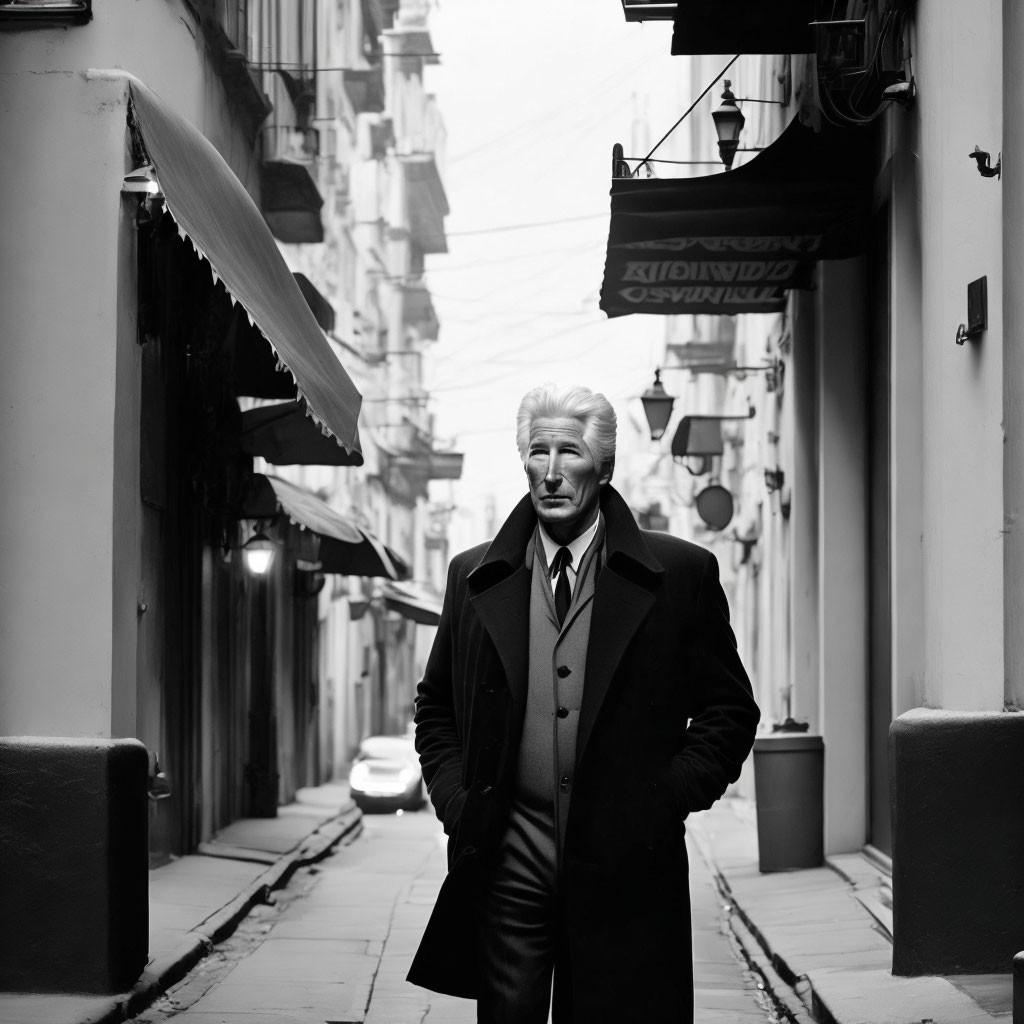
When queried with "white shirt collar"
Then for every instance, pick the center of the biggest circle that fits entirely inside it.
(578, 547)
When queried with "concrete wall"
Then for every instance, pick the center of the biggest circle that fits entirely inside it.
(802, 472)
(906, 442)
(959, 77)
(68, 394)
(958, 841)
(842, 549)
(59, 322)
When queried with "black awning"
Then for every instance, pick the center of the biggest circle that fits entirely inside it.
(743, 26)
(319, 306)
(215, 212)
(345, 547)
(734, 242)
(413, 602)
(285, 435)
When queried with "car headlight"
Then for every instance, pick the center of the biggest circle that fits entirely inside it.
(359, 776)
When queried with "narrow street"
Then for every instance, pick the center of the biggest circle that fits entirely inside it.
(335, 945)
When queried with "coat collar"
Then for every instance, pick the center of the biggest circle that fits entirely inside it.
(626, 550)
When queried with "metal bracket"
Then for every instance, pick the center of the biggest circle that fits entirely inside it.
(984, 168)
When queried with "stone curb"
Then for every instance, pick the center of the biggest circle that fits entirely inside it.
(160, 975)
(791, 994)
(785, 996)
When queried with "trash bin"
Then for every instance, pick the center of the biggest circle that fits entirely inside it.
(789, 783)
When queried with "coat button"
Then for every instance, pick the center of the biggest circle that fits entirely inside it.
(563, 671)
(562, 712)
(652, 786)
(564, 783)
(485, 788)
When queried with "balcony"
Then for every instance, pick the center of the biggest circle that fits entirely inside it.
(291, 202)
(426, 201)
(365, 89)
(419, 467)
(409, 42)
(418, 310)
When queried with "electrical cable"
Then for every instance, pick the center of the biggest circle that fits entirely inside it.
(560, 249)
(523, 227)
(520, 349)
(688, 111)
(545, 118)
(286, 65)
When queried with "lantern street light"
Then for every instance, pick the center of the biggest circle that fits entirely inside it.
(729, 121)
(259, 553)
(657, 407)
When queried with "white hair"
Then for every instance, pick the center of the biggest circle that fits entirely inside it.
(592, 410)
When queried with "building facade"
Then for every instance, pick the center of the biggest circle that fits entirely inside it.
(874, 546)
(213, 293)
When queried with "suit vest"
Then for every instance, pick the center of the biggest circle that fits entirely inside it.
(557, 662)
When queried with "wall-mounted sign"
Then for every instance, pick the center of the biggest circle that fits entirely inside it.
(736, 242)
(715, 506)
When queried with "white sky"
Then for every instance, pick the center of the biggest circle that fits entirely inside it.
(533, 94)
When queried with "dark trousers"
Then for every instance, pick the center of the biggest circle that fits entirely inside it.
(523, 942)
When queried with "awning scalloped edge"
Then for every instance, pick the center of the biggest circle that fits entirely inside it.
(280, 365)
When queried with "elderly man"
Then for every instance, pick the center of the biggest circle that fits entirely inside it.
(583, 695)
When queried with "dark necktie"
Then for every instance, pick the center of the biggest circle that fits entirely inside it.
(563, 593)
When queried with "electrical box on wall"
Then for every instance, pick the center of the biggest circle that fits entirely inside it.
(977, 311)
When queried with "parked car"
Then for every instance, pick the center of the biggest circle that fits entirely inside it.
(386, 776)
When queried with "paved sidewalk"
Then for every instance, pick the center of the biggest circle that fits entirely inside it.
(196, 901)
(339, 952)
(819, 944)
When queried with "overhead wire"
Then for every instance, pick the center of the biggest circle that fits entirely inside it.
(687, 112)
(525, 226)
(508, 136)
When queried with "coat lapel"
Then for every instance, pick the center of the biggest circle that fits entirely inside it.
(620, 605)
(504, 611)
(500, 595)
(623, 596)
(624, 593)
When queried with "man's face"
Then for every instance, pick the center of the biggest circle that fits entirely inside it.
(565, 484)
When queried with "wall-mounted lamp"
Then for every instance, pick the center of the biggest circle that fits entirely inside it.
(774, 479)
(142, 180)
(697, 442)
(657, 404)
(258, 551)
(984, 168)
(729, 122)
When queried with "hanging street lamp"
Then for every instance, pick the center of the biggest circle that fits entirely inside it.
(657, 404)
(729, 121)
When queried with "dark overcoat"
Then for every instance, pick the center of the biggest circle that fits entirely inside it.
(667, 720)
